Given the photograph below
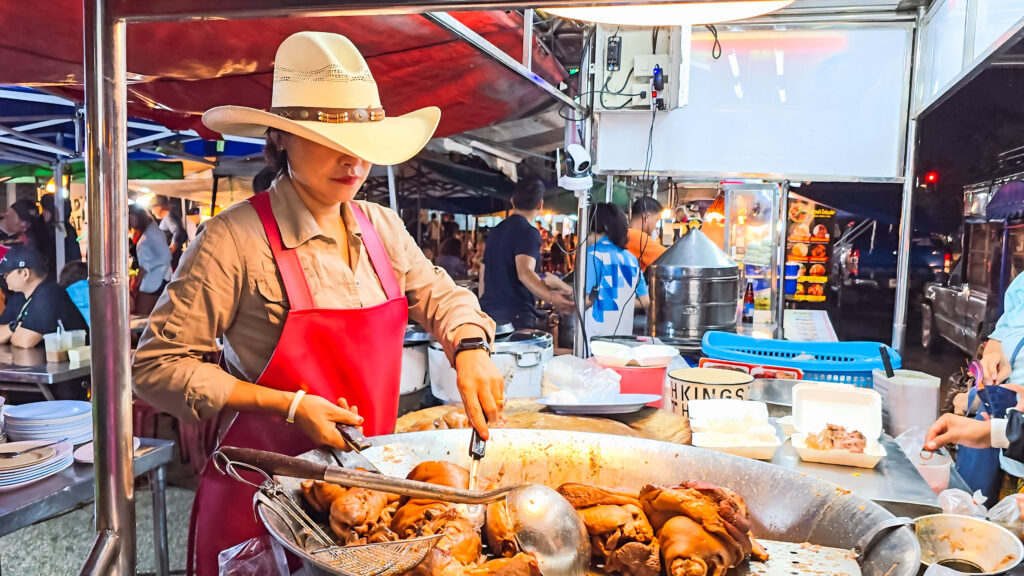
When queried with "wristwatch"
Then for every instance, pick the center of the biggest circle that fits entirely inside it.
(475, 343)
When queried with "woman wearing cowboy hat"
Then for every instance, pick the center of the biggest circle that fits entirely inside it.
(310, 290)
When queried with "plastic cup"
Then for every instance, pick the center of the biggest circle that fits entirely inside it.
(934, 468)
(54, 351)
(77, 338)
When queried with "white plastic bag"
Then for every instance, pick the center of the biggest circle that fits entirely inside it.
(1010, 513)
(261, 556)
(956, 501)
(573, 380)
(911, 442)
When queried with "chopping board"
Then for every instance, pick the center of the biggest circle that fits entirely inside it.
(650, 423)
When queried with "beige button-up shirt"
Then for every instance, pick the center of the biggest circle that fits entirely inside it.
(227, 286)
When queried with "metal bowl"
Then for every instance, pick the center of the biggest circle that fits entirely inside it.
(784, 505)
(967, 544)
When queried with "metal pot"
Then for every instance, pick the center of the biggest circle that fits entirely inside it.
(784, 504)
(694, 287)
(521, 358)
(967, 544)
(414, 360)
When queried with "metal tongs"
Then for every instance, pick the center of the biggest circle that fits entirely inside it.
(270, 463)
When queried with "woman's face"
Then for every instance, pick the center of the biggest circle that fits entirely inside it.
(11, 224)
(328, 175)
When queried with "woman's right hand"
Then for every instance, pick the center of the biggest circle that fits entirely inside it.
(318, 418)
(995, 363)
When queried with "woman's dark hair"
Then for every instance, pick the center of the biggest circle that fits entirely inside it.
(452, 247)
(143, 217)
(611, 222)
(37, 232)
(274, 154)
(73, 272)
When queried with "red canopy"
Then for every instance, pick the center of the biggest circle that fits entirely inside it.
(177, 70)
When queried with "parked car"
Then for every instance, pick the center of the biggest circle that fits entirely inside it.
(864, 265)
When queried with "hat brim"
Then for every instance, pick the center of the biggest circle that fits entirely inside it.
(387, 142)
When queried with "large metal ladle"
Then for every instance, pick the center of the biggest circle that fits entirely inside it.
(544, 522)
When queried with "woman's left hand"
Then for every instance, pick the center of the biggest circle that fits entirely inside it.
(482, 388)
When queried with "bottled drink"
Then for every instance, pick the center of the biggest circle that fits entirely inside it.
(748, 304)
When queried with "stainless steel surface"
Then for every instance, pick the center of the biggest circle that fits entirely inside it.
(399, 485)
(774, 392)
(694, 287)
(779, 261)
(899, 326)
(104, 552)
(547, 526)
(812, 560)
(107, 191)
(29, 366)
(894, 484)
(448, 22)
(74, 486)
(528, 39)
(988, 546)
(579, 130)
(784, 504)
(58, 229)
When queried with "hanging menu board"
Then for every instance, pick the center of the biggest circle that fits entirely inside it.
(808, 251)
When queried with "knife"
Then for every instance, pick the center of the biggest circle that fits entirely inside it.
(354, 458)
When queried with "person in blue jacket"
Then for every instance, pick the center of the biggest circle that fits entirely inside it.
(1003, 364)
(75, 280)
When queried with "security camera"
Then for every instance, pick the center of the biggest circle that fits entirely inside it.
(577, 169)
(577, 160)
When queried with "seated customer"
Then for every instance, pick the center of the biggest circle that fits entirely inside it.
(35, 305)
(74, 278)
(451, 258)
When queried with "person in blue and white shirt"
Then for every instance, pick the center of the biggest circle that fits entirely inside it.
(614, 280)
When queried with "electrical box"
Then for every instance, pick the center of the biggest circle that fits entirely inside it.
(631, 63)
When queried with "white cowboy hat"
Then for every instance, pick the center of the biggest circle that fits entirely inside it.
(324, 92)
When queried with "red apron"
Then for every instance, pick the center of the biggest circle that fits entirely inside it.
(354, 353)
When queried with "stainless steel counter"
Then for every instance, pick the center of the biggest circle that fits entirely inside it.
(26, 370)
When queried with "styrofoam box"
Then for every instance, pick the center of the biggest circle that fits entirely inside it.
(737, 427)
(816, 405)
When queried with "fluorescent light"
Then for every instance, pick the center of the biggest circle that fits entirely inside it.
(778, 62)
(691, 13)
(782, 95)
(734, 64)
(738, 90)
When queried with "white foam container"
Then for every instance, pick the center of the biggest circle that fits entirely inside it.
(815, 405)
(738, 427)
(614, 355)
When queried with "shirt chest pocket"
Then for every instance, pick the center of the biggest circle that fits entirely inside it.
(269, 293)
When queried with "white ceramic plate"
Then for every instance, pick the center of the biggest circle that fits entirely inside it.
(621, 404)
(60, 461)
(85, 455)
(47, 412)
(60, 468)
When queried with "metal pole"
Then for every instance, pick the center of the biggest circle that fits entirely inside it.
(899, 324)
(106, 186)
(58, 209)
(392, 192)
(448, 22)
(580, 345)
(528, 38)
(158, 484)
(102, 555)
(779, 261)
(609, 190)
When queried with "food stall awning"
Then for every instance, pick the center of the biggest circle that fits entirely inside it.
(137, 170)
(177, 70)
(1007, 203)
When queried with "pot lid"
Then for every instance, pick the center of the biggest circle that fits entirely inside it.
(694, 250)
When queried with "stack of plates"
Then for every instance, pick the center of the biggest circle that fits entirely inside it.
(56, 420)
(32, 465)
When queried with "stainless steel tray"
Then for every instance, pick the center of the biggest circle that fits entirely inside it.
(784, 505)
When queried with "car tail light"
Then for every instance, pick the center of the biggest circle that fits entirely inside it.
(855, 262)
(947, 261)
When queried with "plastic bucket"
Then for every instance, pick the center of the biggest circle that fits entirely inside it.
(642, 380)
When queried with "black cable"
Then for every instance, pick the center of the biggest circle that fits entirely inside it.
(619, 92)
(716, 48)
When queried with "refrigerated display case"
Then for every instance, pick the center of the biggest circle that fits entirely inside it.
(753, 234)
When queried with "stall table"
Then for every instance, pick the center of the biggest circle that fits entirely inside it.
(75, 485)
(26, 370)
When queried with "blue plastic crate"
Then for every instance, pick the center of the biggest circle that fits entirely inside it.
(840, 362)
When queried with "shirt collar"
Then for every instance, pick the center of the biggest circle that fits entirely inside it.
(296, 224)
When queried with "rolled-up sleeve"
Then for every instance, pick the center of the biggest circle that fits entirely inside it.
(435, 301)
(198, 306)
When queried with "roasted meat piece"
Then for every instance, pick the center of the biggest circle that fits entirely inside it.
(703, 529)
(414, 516)
(614, 520)
(353, 512)
(499, 530)
(838, 438)
(518, 565)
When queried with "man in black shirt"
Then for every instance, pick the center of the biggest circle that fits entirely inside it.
(35, 305)
(511, 286)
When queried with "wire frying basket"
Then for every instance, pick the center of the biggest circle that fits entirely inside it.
(377, 559)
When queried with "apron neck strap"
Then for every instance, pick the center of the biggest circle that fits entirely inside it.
(378, 254)
(296, 287)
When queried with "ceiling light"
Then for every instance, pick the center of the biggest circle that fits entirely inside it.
(685, 13)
